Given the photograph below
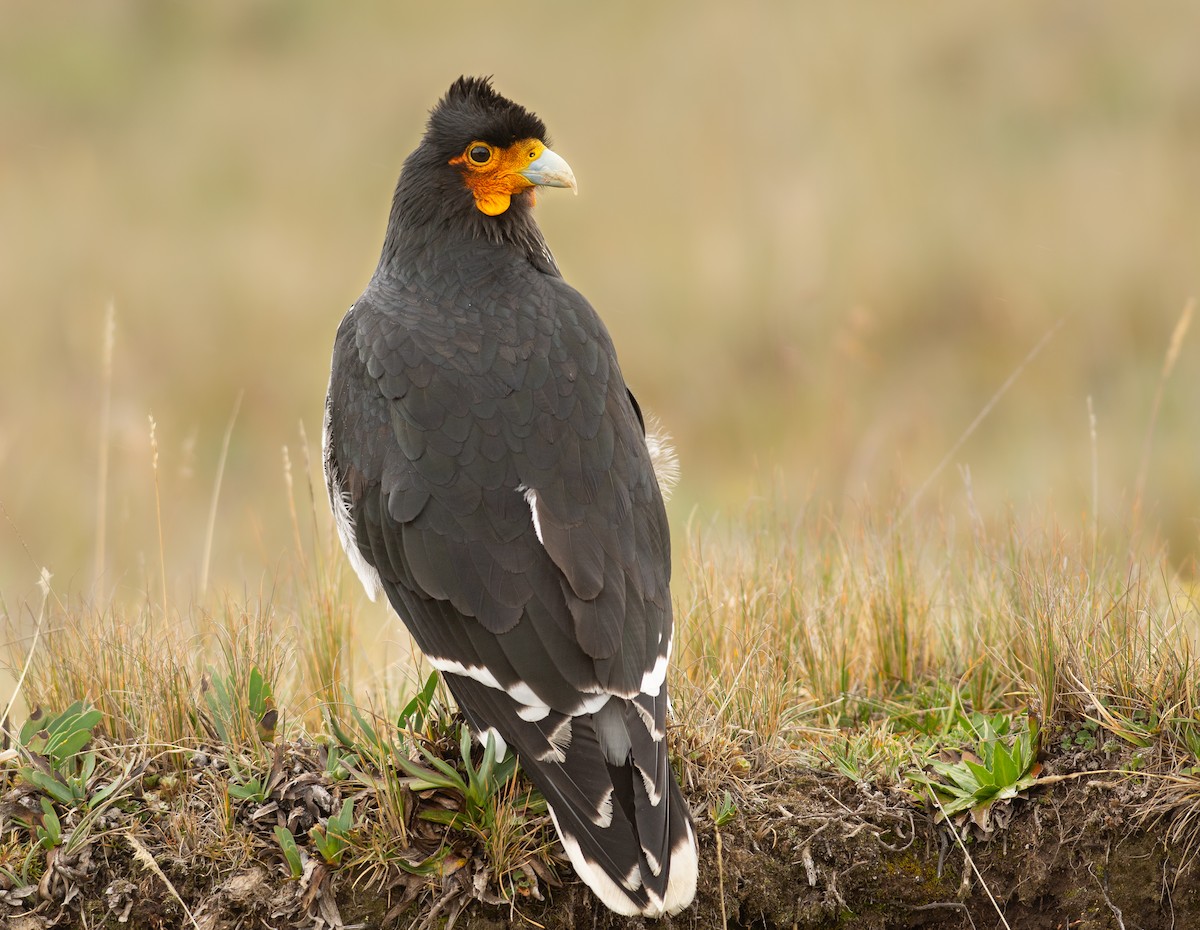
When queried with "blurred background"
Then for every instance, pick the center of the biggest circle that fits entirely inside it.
(822, 235)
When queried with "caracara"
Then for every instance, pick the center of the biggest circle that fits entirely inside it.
(489, 472)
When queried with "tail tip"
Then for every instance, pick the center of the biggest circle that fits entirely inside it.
(681, 885)
(616, 896)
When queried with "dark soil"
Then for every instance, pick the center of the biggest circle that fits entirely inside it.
(818, 852)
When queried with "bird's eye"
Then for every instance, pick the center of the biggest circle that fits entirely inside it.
(479, 154)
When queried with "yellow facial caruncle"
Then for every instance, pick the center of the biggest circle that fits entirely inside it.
(494, 174)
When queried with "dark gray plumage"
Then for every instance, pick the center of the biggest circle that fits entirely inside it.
(489, 472)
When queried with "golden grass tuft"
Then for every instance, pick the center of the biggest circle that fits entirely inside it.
(793, 632)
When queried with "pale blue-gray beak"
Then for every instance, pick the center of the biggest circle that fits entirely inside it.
(550, 170)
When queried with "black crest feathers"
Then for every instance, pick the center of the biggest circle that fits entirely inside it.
(473, 109)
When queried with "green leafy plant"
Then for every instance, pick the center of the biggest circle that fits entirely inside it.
(339, 762)
(872, 752)
(49, 831)
(54, 746)
(291, 852)
(416, 712)
(1085, 737)
(724, 810)
(231, 708)
(363, 736)
(255, 785)
(332, 837)
(246, 787)
(479, 786)
(997, 771)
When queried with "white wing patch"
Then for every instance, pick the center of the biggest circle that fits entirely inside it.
(652, 681)
(476, 672)
(533, 714)
(339, 500)
(591, 704)
(531, 499)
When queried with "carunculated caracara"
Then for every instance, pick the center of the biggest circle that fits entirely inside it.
(489, 472)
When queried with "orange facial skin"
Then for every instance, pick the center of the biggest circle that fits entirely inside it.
(494, 181)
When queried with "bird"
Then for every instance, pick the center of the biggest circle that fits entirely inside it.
(489, 472)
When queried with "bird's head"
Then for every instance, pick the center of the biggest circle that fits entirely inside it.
(474, 175)
(497, 147)
(488, 149)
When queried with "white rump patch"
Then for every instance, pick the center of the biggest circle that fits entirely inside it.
(608, 891)
(340, 501)
(531, 499)
(662, 456)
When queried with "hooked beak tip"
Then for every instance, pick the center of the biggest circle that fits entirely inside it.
(551, 170)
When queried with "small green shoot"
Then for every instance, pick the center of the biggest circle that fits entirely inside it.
(724, 811)
(366, 738)
(228, 709)
(332, 837)
(339, 763)
(415, 713)
(250, 790)
(1187, 734)
(1084, 737)
(54, 745)
(256, 786)
(49, 832)
(291, 852)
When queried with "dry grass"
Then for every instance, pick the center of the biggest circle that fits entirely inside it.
(860, 643)
(842, 616)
